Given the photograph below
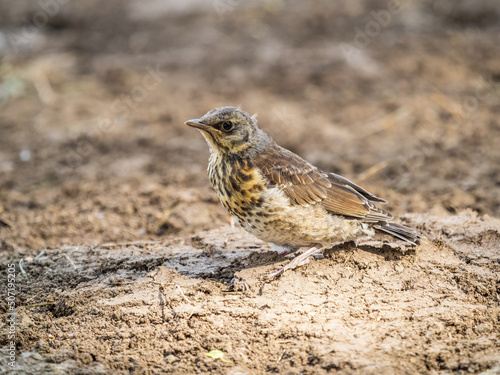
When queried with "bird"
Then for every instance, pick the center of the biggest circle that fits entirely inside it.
(283, 199)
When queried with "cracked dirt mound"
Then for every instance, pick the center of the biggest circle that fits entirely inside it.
(164, 305)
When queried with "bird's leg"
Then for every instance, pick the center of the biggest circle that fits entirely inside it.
(283, 250)
(288, 251)
(298, 261)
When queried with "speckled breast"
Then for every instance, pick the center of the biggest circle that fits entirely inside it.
(264, 210)
(261, 209)
(238, 184)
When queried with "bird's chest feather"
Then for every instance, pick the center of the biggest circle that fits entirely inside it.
(238, 184)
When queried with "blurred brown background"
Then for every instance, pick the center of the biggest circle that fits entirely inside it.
(93, 96)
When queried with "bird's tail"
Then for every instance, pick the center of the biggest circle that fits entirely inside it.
(400, 231)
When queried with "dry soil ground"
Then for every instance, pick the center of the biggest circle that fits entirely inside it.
(131, 266)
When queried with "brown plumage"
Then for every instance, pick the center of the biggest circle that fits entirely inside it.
(281, 198)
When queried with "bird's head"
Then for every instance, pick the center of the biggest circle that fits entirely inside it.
(229, 130)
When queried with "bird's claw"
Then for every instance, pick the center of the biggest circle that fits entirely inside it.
(279, 271)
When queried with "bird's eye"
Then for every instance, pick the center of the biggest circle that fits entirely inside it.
(227, 126)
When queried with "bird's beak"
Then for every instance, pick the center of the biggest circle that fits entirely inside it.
(195, 123)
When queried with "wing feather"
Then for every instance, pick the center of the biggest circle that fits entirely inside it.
(306, 185)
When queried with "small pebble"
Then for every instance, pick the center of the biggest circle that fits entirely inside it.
(25, 155)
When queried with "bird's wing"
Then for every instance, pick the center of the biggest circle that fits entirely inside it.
(305, 185)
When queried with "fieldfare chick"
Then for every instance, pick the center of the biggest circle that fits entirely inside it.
(281, 198)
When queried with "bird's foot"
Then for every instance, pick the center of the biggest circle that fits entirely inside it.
(283, 250)
(298, 261)
(278, 272)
